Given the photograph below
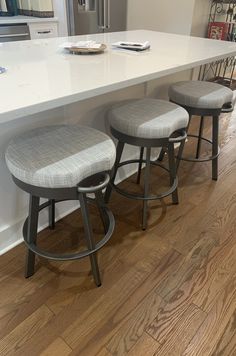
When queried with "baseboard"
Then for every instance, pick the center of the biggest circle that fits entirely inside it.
(13, 234)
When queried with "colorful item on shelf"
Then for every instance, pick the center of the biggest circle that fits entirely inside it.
(37, 8)
(12, 7)
(218, 30)
(3, 8)
(8, 8)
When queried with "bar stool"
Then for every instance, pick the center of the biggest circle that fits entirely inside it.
(63, 162)
(147, 123)
(202, 99)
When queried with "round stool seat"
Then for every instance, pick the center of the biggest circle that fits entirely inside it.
(200, 94)
(148, 118)
(59, 156)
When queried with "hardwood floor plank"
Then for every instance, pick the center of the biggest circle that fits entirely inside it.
(25, 331)
(166, 319)
(218, 222)
(76, 311)
(57, 348)
(146, 345)
(177, 290)
(103, 352)
(208, 335)
(216, 282)
(200, 287)
(189, 265)
(19, 298)
(226, 345)
(180, 335)
(129, 334)
(111, 272)
(115, 306)
(105, 330)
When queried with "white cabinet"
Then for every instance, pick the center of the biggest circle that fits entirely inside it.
(43, 30)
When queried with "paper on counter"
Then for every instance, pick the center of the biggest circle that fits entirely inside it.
(138, 46)
(81, 44)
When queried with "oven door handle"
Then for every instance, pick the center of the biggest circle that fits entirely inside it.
(15, 35)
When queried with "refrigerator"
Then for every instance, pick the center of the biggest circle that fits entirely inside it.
(96, 16)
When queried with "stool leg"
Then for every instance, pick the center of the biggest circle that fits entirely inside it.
(140, 165)
(181, 148)
(161, 155)
(199, 143)
(100, 204)
(119, 151)
(32, 234)
(146, 188)
(89, 238)
(172, 168)
(51, 213)
(179, 154)
(215, 146)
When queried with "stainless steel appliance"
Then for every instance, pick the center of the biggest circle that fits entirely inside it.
(16, 32)
(94, 16)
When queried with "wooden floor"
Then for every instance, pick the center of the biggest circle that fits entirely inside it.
(168, 291)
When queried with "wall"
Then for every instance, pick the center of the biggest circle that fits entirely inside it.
(186, 17)
(167, 16)
(200, 18)
(59, 7)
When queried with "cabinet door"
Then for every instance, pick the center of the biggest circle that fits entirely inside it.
(43, 30)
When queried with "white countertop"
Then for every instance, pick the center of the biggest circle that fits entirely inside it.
(8, 20)
(40, 76)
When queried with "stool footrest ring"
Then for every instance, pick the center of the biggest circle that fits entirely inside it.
(206, 159)
(141, 197)
(75, 256)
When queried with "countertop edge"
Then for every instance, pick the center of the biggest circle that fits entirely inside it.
(25, 19)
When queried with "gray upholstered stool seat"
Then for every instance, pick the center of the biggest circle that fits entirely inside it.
(59, 163)
(200, 94)
(148, 118)
(59, 156)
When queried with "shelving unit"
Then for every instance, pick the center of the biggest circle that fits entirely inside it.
(222, 71)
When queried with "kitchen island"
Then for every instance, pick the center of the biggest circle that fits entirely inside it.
(44, 84)
(42, 76)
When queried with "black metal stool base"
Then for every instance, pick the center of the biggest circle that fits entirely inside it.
(143, 197)
(200, 159)
(145, 143)
(69, 257)
(214, 142)
(203, 112)
(93, 184)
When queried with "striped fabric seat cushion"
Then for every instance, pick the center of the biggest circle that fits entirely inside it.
(148, 118)
(59, 156)
(200, 94)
